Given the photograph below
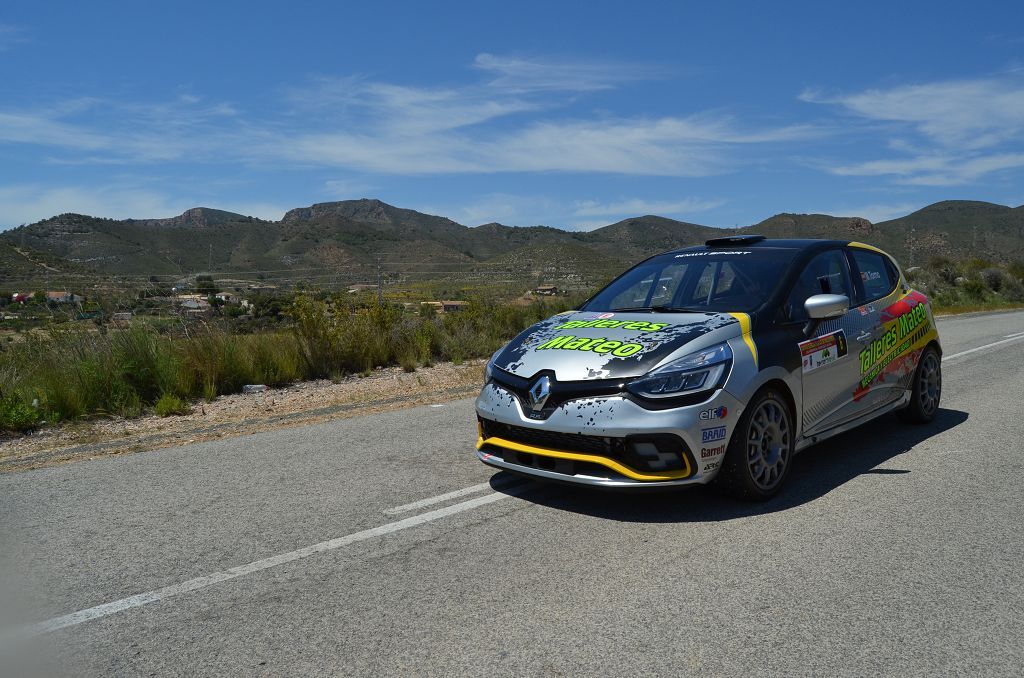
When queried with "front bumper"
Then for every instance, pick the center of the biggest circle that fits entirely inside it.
(587, 441)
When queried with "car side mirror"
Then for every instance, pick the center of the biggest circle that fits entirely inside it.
(823, 306)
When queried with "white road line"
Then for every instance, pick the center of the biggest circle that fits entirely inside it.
(437, 500)
(472, 489)
(1015, 334)
(982, 348)
(156, 595)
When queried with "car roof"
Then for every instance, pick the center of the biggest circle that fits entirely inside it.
(761, 243)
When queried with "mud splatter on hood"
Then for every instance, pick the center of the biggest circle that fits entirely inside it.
(578, 346)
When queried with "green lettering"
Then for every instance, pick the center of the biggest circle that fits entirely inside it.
(557, 342)
(627, 350)
(607, 346)
(575, 343)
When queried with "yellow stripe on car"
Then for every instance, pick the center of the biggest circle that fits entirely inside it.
(744, 319)
(576, 456)
(865, 246)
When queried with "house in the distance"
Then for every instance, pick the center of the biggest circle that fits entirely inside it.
(447, 306)
(227, 297)
(64, 297)
(545, 290)
(20, 297)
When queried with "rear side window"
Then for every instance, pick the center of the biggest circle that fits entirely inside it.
(825, 274)
(876, 274)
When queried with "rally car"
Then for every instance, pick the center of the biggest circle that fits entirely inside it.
(713, 363)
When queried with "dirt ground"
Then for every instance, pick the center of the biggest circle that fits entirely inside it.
(240, 414)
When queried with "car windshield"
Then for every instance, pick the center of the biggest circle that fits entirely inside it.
(700, 280)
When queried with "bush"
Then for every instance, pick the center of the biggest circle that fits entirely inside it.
(169, 404)
(16, 415)
(993, 278)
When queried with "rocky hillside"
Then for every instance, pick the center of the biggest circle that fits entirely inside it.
(344, 240)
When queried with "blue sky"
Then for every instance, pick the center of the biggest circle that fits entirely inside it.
(575, 115)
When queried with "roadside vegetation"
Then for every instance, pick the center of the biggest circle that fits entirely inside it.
(70, 368)
(972, 285)
(75, 371)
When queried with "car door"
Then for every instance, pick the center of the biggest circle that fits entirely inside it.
(829, 364)
(876, 284)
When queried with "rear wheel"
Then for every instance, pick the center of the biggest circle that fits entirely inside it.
(761, 449)
(924, 399)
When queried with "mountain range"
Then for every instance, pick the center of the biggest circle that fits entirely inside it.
(347, 241)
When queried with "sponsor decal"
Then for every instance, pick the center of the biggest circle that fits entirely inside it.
(569, 342)
(604, 316)
(901, 333)
(710, 435)
(823, 350)
(708, 468)
(710, 253)
(706, 452)
(715, 413)
(602, 323)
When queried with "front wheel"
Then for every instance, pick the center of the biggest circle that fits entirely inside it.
(761, 449)
(924, 399)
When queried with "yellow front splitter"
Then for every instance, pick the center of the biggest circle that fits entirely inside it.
(576, 456)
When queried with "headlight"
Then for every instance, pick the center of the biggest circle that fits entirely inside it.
(695, 372)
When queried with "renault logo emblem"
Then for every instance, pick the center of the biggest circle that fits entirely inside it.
(539, 393)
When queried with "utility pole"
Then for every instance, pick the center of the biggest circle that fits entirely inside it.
(912, 245)
(209, 264)
(380, 289)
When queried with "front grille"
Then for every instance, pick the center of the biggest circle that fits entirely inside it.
(561, 391)
(673, 452)
(568, 442)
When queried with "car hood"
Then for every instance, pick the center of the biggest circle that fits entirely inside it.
(578, 346)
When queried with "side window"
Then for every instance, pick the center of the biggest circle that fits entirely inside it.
(825, 274)
(876, 274)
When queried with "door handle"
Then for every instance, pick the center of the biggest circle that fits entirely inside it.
(864, 337)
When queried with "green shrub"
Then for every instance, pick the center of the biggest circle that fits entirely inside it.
(169, 404)
(16, 415)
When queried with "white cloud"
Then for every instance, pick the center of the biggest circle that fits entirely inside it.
(512, 123)
(638, 207)
(531, 75)
(873, 212)
(965, 129)
(28, 203)
(11, 36)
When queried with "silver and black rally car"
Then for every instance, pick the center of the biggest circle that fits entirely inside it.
(708, 363)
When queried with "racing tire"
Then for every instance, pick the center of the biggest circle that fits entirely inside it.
(927, 391)
(761, 449)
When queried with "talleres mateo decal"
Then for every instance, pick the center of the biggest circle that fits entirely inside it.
(906, 326)
(602, 345)
(823, 350)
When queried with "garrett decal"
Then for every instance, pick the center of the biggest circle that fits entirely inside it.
(715, 413)
(822, 351)
(710, 435)
(706, 452)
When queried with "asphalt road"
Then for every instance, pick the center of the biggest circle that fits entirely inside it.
(896, 550)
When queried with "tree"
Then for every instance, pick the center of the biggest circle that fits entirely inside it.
(205, 285)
